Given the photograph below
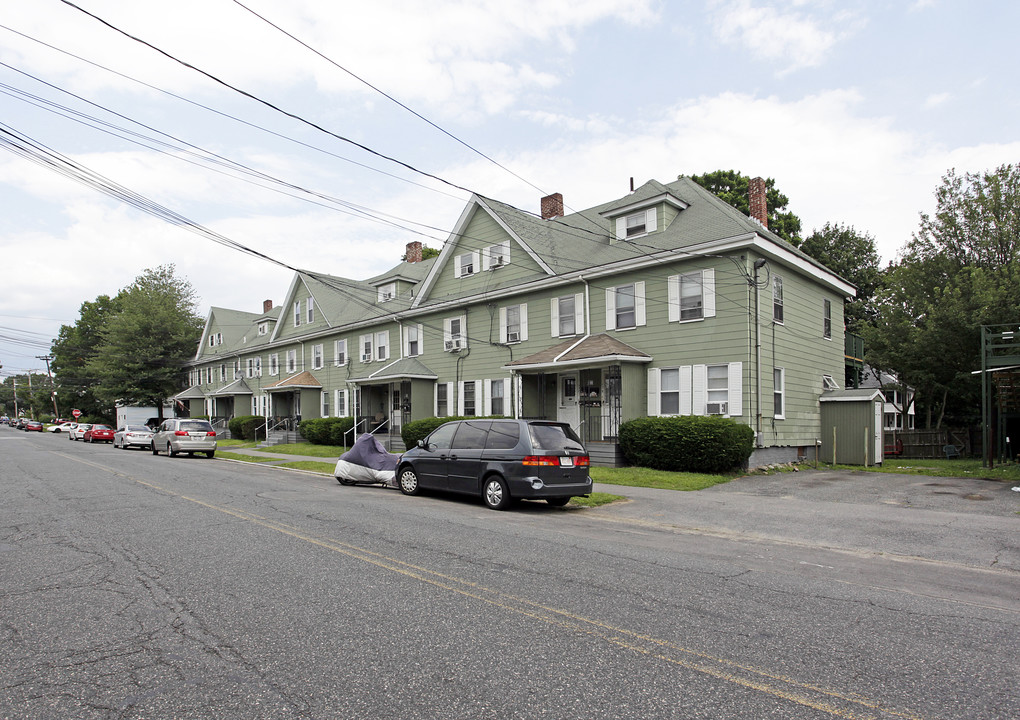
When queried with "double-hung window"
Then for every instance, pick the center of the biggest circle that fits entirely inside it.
(291, 361)
(340, 353)
(382, 345)
(513, 323)
(827, 319)
(386, 292)
(366, 345)
(496, 397)
(317, 357)
(567, 315)
(325, 404)
(453, 334)
(669, 391)
(274, 364)
(777, 299)
(442, 399)
(779, 393)
(625, 306)
(691, 296)
(341, 403)
(496, 256)
(297, 313)
(310, 304)
(412, 340)
(466, 264)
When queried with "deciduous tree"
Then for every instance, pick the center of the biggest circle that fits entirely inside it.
(731, 186)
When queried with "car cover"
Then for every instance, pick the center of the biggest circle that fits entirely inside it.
(368, 452)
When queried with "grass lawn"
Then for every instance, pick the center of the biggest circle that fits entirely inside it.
(235, 443)
(662, 479)
(225, 455)
(306, 448)
(940, 467)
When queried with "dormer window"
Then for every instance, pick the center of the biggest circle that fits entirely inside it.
(636, 224)
(263, 328)
(387, 292)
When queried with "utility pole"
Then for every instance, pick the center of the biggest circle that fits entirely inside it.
(53, 391)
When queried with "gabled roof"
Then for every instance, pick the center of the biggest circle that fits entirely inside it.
(303, 380)
(402, 369)
(238, 387)
(850, 395)
(599, 348)
(192, 393)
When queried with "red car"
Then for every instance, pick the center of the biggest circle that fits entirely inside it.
(99, 433)
(33, 426)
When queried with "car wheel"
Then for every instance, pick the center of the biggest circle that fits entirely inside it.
(409, 482)
(88, 440)
(170, 450)
(495, 493)
(211, 454)
(153, 448)
(558, 502)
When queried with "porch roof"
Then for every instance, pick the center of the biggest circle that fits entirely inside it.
(238, 387)
(302, 381)
(402, 369)
(850, 395)
(591, 350)
(192, 393)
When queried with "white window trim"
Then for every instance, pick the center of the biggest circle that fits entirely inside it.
(291, 361)
(780, 391)
(694, 389)
(554, 315)
(651, 218)
(639, 306)
(448, 334)
(487, 395)
(406, 340)
(310, 304)
(673, 286)
(297, 314)
(318, 357)
(477, 384)
(778, 300)
(382, 345)
(340, 403)
(369, 339)
(435, 398)
(274, 364)
(504, 330)
(458, 264)
(340, 346)
(387, 292)
(499, 251)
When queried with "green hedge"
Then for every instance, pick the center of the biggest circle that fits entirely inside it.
(326, 431)
(245, 427)
(686, 444)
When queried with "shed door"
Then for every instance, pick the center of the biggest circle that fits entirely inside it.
(878, 441)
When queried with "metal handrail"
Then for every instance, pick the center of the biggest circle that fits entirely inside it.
(354, 429)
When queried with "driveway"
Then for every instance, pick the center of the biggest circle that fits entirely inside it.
(962, 521)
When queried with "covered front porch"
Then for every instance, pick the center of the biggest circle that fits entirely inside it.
(287, 397)
(593, 383)
(394, 395)
(222, 404)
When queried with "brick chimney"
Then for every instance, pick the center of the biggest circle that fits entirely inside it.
(413, 253)
(267, 305)
(759, 208)
(552, 206)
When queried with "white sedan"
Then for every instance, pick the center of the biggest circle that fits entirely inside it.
(133, 435)
(78, 431)
(62, 427)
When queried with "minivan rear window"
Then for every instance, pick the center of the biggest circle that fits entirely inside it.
(554, 438)
(196, 426)
(503, 436)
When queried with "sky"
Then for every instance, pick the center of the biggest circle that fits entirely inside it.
(328, 135)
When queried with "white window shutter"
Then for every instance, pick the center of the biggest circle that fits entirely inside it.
(524, 321)
(478, 395)
(421, 339)
(673, 297)
(621, 228)
(554, 316)
(650, 219)
(486, 258)
(639, 303)
(475, 260)
(699, 389)
(435, 400)
(686, 390)
(610, 308)
(708, 292)
(456, 266)
(447, 330)
(460, 397)
(653, 392)
(735, 397)
(507, 409)
(405, 349)
(502, 325)
(486, 397)
(578, 314)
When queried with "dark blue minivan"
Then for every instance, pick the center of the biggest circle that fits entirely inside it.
(499, 460)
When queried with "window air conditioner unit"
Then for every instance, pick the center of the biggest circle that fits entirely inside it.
(716, 408)
(366, 357)
(512, 337)
(497, 261)
(452, 345)
(387, 296)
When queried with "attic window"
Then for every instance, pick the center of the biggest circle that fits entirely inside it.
(828, 383)
(263, 328)
(387, 292)
(636, 224)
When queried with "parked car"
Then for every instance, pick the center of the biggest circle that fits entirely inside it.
(19, 424)
(78, 431)
(98, 433)
(61, 427)
(500, 461)
(133, 436)
(33, 426)
(182, 435)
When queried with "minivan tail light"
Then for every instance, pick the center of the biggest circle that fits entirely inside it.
(180, 432)
(541, 460)
(582, 461)
(211, 433)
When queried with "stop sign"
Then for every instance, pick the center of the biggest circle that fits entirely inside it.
(76, 413)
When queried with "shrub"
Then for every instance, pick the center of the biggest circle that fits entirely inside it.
(686, 444)
(326, 431)
(245, 427)
(338, 428)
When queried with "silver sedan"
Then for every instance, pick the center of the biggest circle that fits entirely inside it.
(133, 436)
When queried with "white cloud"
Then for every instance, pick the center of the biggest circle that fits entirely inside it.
(936, 99)
(788, 36)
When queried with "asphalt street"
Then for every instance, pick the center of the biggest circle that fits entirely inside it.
(134, 586)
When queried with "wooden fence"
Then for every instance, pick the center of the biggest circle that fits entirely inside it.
(927, 443)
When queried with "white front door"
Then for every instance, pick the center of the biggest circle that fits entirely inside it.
(878, 443)
(567, 410)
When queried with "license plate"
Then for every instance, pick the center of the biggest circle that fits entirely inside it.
(566, 462)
